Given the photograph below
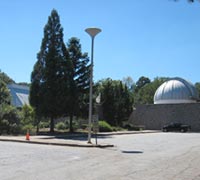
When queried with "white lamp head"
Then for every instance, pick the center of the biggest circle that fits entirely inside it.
(93, 31)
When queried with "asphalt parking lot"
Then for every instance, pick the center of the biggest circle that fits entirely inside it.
(151, 156)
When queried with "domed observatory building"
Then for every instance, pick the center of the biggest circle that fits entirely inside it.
(176, 91)
(176, 100)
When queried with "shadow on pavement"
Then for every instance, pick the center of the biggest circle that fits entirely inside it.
(79, 136)
(132, 152)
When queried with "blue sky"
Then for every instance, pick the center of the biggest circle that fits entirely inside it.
(152, 38)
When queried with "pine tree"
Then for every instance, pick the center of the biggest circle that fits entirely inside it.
(79, 78)
(49, 73)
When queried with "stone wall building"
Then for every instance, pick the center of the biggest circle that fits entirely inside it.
(176, 100)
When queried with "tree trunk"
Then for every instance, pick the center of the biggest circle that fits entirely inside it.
(52, 125)
(37, 124)
(37, 130)
(70, 123)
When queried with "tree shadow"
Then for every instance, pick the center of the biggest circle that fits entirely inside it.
(79, 136)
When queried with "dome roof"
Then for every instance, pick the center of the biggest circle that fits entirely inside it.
(176, 90)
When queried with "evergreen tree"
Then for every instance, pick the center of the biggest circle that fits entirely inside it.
(78, 78)
(107, 92)
(116, 100)
(47, 78)
(5, 78)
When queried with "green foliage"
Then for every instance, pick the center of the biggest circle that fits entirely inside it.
(48, 79)
(9, 119)
(117, 101)
(118, 128)
(78, 79)
(5, 78)
(61, 126)
(60, 77)
(4, 93)
(28, 127)
(104, 127)
(28, 118)
(142, 81)
(28, 115)
(145, 93)
(24, 84)
(15, 121)
(44, 124)
(130, 127)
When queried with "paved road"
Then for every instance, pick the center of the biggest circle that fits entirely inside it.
(156, 156)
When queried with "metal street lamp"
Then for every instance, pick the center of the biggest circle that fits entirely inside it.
(92, 32)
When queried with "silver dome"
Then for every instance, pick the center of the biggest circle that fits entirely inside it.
(174, 91)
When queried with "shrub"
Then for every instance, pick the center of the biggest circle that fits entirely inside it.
(43, 124)
(133, 128)
(15, 129)
(118, 128)
(104, 127)
(9, 119)
(61, 126)
(28, 127)
(27, 115)
(4, 126)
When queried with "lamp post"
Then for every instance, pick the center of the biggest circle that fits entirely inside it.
(92, 32)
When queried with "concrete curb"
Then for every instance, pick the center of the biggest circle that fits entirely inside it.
(72, 144)
(59, 144)
(127, 132)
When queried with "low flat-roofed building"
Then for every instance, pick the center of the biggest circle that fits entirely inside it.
(19, 94)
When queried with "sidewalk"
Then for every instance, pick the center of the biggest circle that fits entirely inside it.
(78, 140)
